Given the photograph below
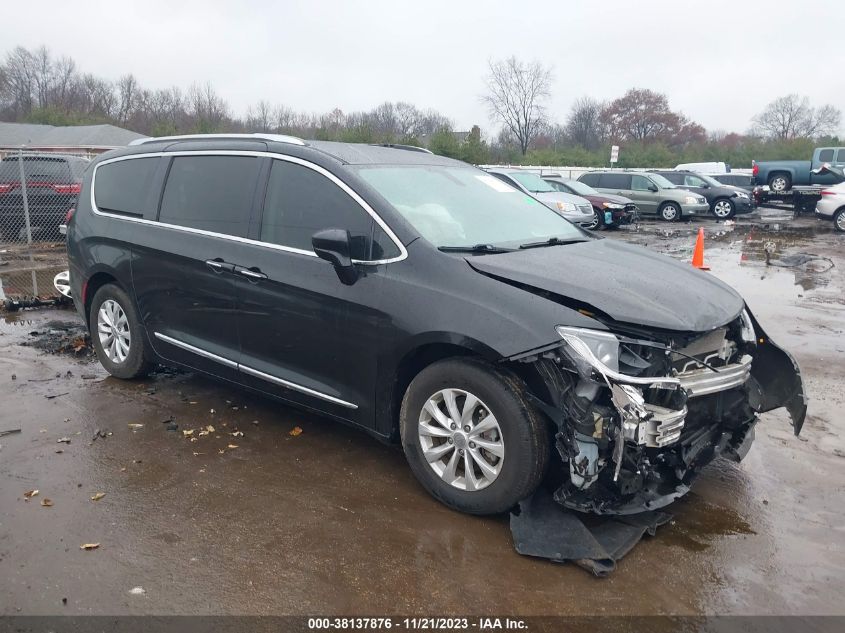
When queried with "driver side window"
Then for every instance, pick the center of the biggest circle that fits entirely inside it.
(300, 202)
(693, 181)
(641, 183)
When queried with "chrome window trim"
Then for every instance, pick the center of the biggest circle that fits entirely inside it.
(253, 372)
(403, 252)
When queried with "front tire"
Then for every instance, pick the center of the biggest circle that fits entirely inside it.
(839, 220)
(724, 209)
(117, 335)
(670, 212)
(597, 223)
(471, 438)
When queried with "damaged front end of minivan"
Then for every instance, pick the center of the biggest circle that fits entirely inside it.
(639, 413)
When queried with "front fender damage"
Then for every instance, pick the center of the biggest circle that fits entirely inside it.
(633, 437)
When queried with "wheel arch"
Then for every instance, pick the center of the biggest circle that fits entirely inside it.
(93, 283)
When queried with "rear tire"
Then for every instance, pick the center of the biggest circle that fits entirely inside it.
(780, 182)
(431, 436)
(117, 334)
(670, 211)
(839, 220)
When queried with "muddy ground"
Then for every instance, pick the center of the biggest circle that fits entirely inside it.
(329, 521)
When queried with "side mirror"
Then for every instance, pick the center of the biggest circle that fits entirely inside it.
(334, 245)
(653, 188)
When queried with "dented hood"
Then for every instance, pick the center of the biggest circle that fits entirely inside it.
(628, 283)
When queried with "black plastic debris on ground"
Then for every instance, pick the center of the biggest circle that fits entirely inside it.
(544, 529)
(62, 337)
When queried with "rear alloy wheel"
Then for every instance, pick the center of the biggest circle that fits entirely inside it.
(779, 183)
(116, 334)
(839, 220)
(471, 437)
(670, 212)
(724, 209)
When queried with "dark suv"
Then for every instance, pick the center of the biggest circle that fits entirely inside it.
(419, 298)
(51, 182)
(725, 200)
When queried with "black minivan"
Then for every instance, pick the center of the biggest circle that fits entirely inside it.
(422, 299)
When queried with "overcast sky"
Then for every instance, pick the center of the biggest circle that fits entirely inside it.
(718, 62)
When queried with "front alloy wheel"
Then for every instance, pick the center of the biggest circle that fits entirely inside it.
(471, 435)
(723, 209)
(461, 439)
(670, 212)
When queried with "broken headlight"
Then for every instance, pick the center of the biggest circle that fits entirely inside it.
(747, 327)
(596, 350)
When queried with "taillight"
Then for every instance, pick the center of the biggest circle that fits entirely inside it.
(73, 188)
(6, 187)
(69, 215)
(755, 169)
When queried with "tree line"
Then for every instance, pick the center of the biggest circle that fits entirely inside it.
(38, 87)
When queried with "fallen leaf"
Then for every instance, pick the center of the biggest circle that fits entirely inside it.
(193, 439)
(236, 434)
(187, 433)
(192, 402)
(137, 591)
(63, 440)
(233, 445)
(295, 431)
(47, 503)
(209, 428)
(221, 451)
(197, 454)
(203, 433)
(59, 451)
(79, 345)
(123, 470)
(98, 496)
(211, 410)
(89, 546)
(29, 494)
(135, 425)
(202, 470)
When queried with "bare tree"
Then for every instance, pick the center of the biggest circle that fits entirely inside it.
(516, 95)
(127, 90)
(260, 117)
(792, 116)
(583, 125)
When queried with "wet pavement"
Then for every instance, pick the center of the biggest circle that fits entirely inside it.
(329, 521)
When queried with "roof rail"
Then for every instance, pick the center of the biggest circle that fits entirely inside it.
(410, 148)
(279, 138)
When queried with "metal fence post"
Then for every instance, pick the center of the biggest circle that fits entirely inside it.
(25, 199)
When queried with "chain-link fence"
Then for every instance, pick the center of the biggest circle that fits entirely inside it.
(37, 190)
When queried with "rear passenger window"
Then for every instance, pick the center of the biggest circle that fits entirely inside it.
(615, 181)
(122, 187)
(301, 201)
(211, 193)
(825, 155)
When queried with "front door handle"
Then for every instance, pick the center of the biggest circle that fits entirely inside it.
(255, 275)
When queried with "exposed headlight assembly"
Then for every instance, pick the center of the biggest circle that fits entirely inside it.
(747, 327)
(596, 350)
(612, 205)
(690, 200)
(740, 194)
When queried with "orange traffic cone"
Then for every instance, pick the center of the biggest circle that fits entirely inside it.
(698, 252)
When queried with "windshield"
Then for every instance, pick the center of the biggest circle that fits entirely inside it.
(580, 188)
(532, 182)
(463, 206)
(661, 182)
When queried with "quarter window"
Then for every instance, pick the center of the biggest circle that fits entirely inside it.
(122, 187)
(840, 157)
(211, 193)
(300, 202)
